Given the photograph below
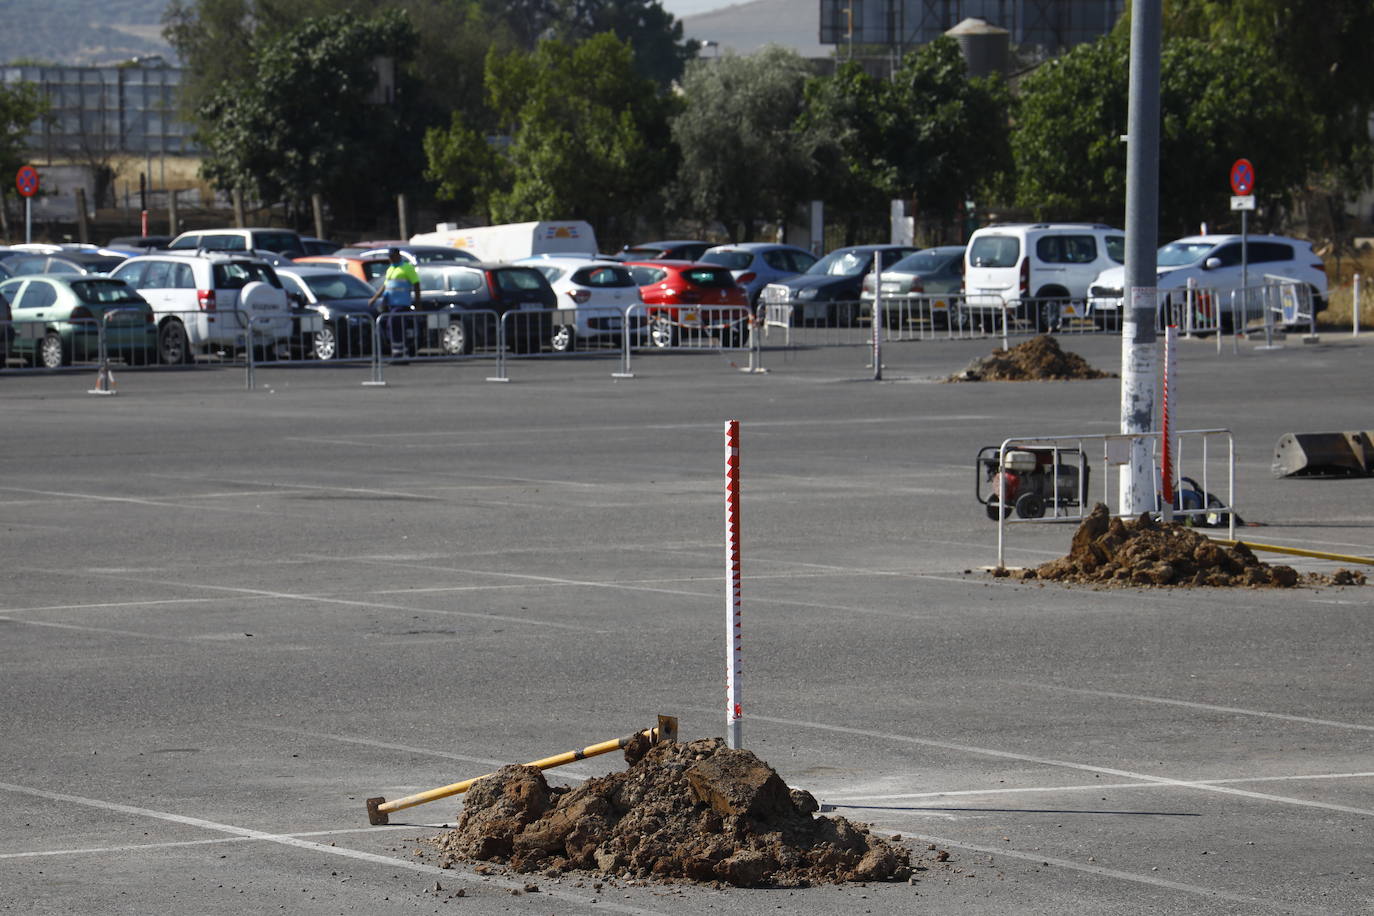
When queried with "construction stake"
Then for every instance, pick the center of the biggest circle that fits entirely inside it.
(379, 808)
(1299, 552)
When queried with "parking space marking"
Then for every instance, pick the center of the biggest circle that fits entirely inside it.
(1306, 720)
(135, 847)
(310, 846)
(138, 501)
(108, 604)
(1067, 764)
(1092, 787)
(1103, 872)
(51, 624)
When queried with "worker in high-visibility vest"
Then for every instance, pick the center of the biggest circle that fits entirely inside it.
(400, 292)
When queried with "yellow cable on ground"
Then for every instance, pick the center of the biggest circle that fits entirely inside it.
(1298, 551)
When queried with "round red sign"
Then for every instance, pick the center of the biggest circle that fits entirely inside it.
(27, 181)
(1242, 178)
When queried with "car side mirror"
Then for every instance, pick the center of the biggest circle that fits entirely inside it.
(1211, 264)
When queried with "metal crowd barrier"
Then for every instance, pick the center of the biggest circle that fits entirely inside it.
(1065, 492)
(41, 345)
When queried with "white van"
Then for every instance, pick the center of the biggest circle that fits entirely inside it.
(1042, 269)
(513, 241)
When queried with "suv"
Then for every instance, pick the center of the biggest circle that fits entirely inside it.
(286, 242)
(1214, 262)
(468, 300)
(828, 291)
(1042, 269)
(207, 303)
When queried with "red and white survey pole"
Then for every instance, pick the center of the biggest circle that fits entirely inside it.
(733, 709)
(1166, 482)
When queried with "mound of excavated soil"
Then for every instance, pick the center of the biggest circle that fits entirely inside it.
(1035, 360)
(697, 812)
(1109, 551)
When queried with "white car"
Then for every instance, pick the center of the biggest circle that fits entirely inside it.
(1042, 269)
(210, 303)
(594, 297)
(1214, 262)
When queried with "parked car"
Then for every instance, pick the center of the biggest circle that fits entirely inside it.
(701, 299)
(57, 319)
(467, 301)
(669, 250)
(6, 329)
(139, 243)
(281, 241)
(371, 270)
(211, 303)
(311, 246)
(1042, 270)
(928, 272)
(593, 299)
(1214, 262)
(828, 292)
(332, 317)
(756, 264)
(71, 262)
(421, 254)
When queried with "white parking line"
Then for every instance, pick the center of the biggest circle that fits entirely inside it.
(309, 846)
(1236, 710)
(1067, 764)
(1100, 871)
(135, 847)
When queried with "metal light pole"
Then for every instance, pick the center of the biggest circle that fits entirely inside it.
(1139, 353)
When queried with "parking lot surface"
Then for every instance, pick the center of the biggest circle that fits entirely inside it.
(230, 616)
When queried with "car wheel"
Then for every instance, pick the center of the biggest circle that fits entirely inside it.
(455, 340)
(51, 352)
(326, 343)
(662, 333)
(172, 346)
(563, 339)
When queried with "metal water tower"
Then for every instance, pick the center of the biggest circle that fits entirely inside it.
(985, 47)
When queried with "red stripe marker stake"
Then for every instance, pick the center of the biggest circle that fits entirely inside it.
(733, 710)
(1167, 468)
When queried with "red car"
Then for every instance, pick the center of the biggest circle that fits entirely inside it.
(684, 297)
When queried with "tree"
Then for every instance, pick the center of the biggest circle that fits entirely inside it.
(742, 163)
(585, 139)
(20, 106)
(304, 123)
(1219, 100)
(929, 134)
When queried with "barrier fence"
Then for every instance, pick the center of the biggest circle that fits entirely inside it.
(1038, 479)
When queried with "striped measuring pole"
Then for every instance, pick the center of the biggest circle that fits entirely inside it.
(1170, 390)
(733, 708)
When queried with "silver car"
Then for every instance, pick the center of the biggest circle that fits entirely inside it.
(756, 264)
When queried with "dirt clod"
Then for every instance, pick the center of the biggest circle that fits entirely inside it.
(698, 812)
(1038, 359)
(1144, 552)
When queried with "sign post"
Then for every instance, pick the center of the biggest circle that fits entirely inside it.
(26, 182)
(1243, 189)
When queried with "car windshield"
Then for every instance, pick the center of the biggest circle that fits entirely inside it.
(842, 264)
(238, 274)
(340, 286)
(995, 251)
(277, 241)
(708, 276)
(104, 292)
(922, 262)
(519, 279)
(646, 276)
(1176, 254)
(730, 259)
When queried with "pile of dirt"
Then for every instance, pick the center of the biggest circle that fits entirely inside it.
(1109, 551)
(1038, 359)
(698, 812)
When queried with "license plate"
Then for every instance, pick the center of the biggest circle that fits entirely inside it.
(613, 324)
(531, 306)
(687, 317)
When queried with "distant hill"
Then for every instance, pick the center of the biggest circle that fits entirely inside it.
(81, 31)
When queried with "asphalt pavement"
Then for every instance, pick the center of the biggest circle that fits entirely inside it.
(231, 616)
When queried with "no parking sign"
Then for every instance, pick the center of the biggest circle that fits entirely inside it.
(26, 181)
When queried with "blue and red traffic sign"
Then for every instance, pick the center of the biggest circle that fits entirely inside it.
(27, 181)
(1242, 178)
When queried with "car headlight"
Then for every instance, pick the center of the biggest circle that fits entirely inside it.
(805, 295)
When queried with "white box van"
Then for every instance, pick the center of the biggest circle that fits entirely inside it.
(512, 241)
(1043, 270)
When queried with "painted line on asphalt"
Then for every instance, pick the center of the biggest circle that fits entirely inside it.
(53, 625)
(1103, 872)
(309, 846)
(135, 847)
(107, 604)
(1209, 707)
(138, 501)
(1091, 787)
(1066, 764)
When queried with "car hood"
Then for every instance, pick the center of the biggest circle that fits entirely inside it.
(1115, 277)
(819, 282)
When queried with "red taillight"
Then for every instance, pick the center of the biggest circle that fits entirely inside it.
(580, 296)
(746, 278)
(492, 288)
(917, 286)
(1025, 277)
(81, 313)
(205, 298)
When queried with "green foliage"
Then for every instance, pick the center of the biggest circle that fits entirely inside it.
(303, 124)
(741, 160)
(586, 139)
(929, 134)
(20, 105)
(1219, 101)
